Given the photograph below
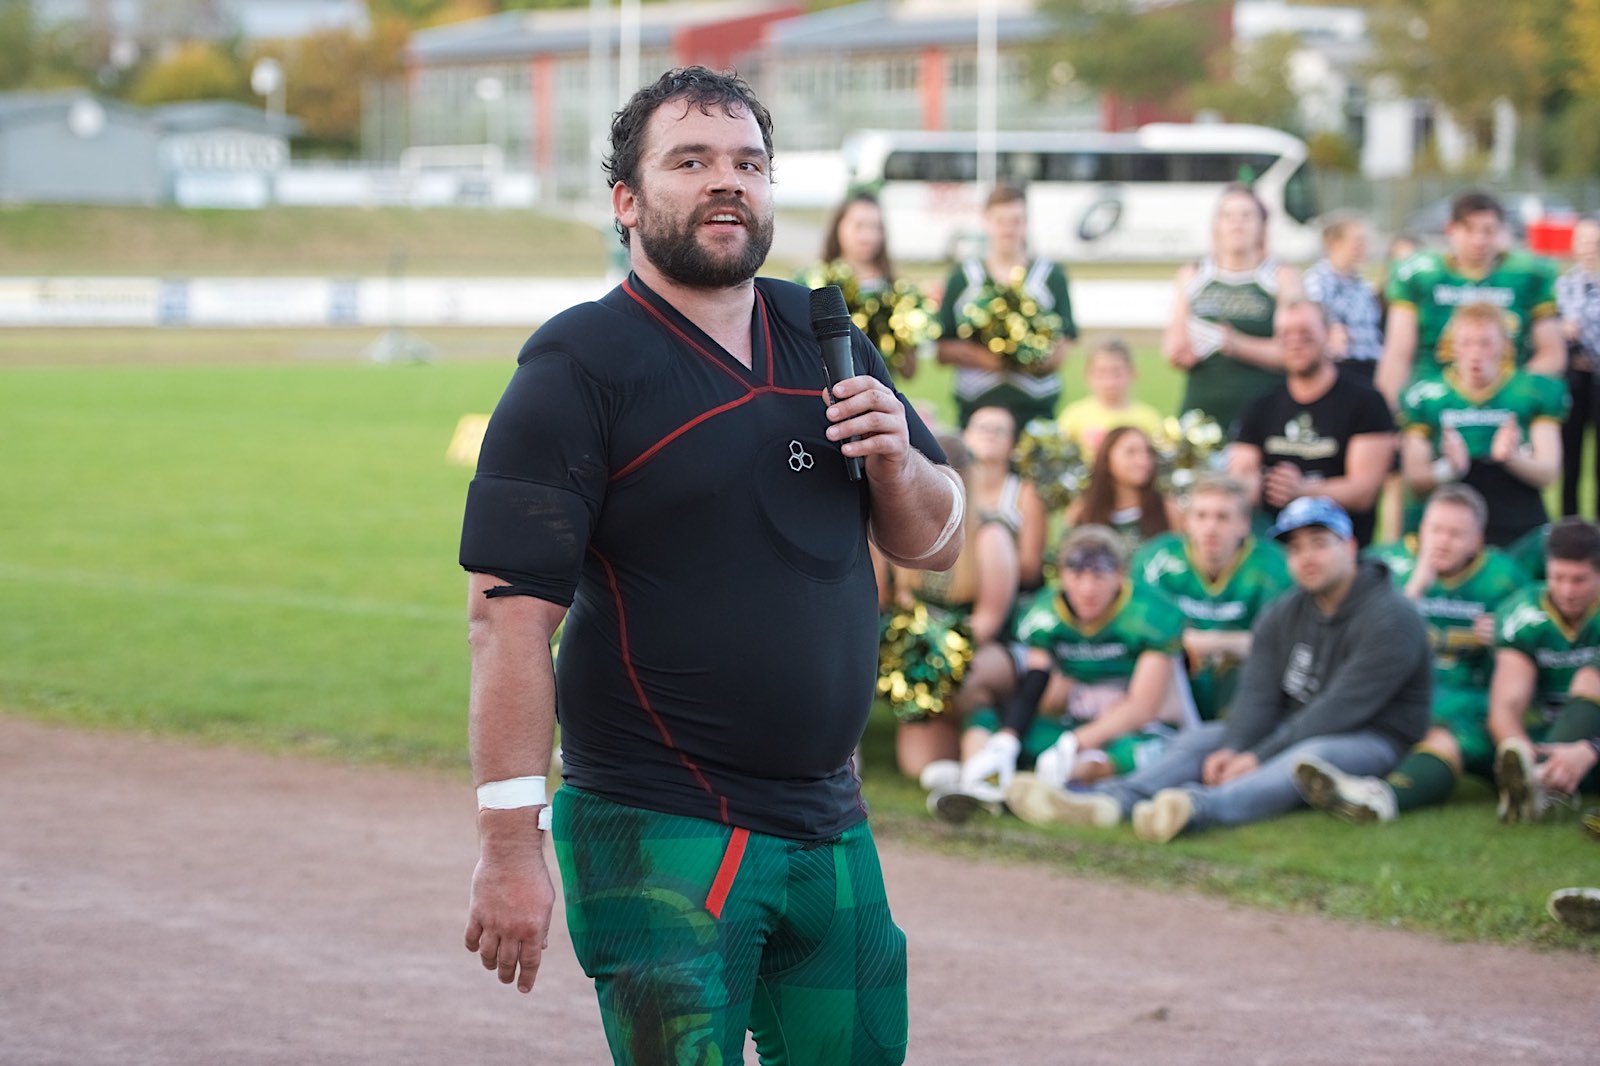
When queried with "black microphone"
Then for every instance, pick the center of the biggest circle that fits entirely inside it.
(830, 324)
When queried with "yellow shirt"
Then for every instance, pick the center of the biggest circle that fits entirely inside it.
(1087, 421)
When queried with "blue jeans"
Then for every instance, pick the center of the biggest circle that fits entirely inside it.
(1266, 791)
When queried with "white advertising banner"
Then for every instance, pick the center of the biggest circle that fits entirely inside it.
(320, 302)
(80, 301)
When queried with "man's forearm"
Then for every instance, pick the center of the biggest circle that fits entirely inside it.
(916, 520)
(511, 708)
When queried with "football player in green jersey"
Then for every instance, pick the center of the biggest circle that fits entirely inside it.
(1484, 422)
(1427, 288)
(1339, 668)
(1220, 576)
(1543, 701)
(1457, 584)
(1117, 643)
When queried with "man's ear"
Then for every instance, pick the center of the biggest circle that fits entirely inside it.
(625, 205)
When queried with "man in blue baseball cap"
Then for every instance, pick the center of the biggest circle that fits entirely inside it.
(1339, 669)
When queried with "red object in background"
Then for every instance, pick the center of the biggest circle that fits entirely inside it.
(1551, 236)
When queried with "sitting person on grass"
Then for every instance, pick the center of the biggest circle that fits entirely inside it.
(978, 593)
(1116, 643)
(1544, 702)
(1221, 577)
(1338, 668)
(1122, 491)
(1457, 585)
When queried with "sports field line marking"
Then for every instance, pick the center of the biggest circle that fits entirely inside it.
(235, 594)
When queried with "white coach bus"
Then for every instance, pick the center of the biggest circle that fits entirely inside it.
(1142, 195)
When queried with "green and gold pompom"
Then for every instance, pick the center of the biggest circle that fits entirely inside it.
(1051, 461)
(1007, 321)
(923, 655)
(897, 319)
(1185, 448)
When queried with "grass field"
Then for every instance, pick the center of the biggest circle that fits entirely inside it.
(167, 241)
(258, 547)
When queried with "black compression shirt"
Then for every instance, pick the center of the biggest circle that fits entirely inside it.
(719, 656)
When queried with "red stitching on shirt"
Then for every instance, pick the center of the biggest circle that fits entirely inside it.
(685, 338)
(638, 688)
(649, 453)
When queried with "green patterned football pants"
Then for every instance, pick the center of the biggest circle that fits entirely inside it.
(695, 932)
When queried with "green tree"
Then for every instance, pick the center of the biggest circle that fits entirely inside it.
(1466, 54)
(17, 42)
(323, 76)
(192, 71)
(1133, 49)
(1258, 89)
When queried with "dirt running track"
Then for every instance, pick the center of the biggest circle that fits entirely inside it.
(168, 904)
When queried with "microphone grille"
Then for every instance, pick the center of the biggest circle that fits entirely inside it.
(827, 303)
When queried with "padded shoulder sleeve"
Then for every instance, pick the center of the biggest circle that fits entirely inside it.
(542, 477)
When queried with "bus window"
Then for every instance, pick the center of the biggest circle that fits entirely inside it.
(1135, 166)
(1072, 166)
(905, 166)
(1300, 195)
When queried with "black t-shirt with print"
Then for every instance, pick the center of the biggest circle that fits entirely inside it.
(1315, 436)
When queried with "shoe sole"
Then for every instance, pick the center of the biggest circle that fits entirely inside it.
(1516, 792)
(1158, 825)
(957, 808)
(1322, 792)
(1577, 910)
(1038, 804)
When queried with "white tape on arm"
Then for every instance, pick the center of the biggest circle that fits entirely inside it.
(513, 793)
(958, 514)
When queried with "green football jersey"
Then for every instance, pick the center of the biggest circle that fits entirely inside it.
(1522, 286)
(1140, 620)
(1528, 551)
(1449, 606)
(1528, 623)
(1430, 405)
(1232, 602)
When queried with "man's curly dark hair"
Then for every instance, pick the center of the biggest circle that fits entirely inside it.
(696, 87)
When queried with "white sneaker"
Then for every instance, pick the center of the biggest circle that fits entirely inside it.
(1036, 802)
(1516, 773)
(1359, 800)
(1576, 908)
(940, 775)
(1163, 816)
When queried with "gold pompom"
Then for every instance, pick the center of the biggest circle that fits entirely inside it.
(1051, 461)
(1010, 323)
(923, 655)
(1185, 448)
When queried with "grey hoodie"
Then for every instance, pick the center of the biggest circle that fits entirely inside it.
(1308, 675)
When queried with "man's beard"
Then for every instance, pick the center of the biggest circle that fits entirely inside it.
(673, 246)
(1309, 370)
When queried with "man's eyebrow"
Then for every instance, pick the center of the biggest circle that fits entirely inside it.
(678, 151)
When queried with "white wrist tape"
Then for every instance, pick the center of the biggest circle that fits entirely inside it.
(958, 514)
(512, 793)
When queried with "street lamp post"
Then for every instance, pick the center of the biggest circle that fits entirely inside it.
(266, 79)
(492, 91)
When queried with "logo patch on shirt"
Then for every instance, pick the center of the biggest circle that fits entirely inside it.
(799, 458)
